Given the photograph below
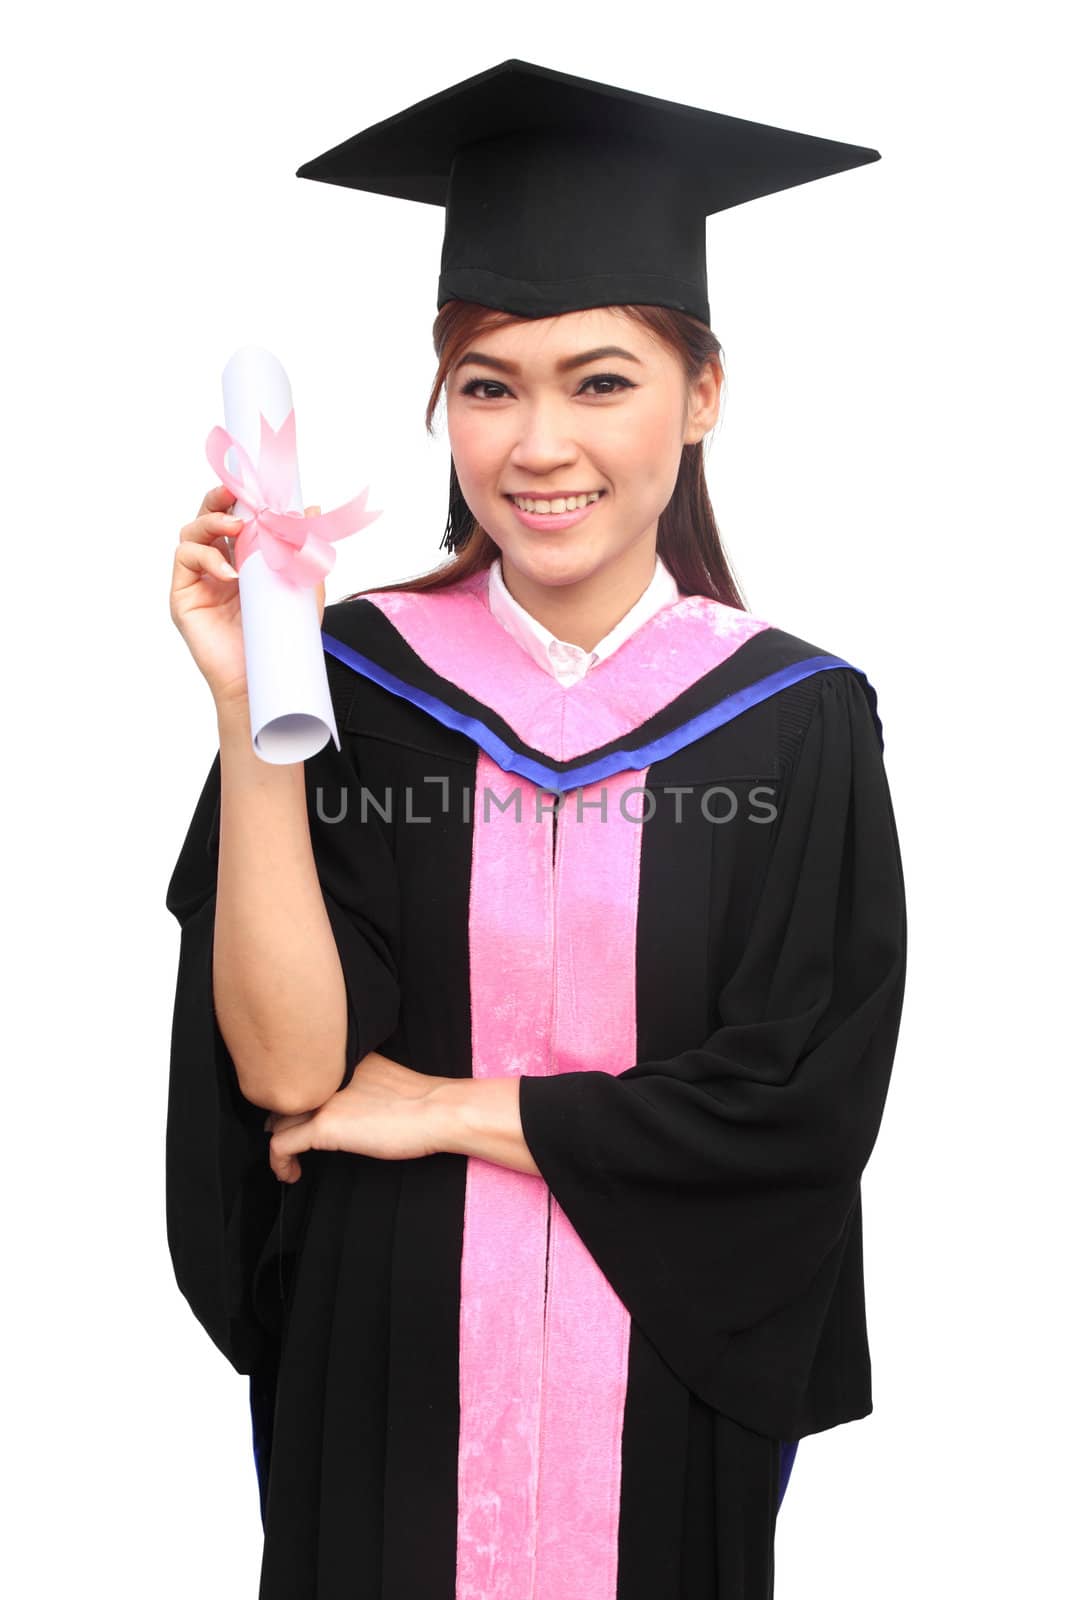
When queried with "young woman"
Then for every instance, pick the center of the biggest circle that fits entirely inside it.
(567, 990)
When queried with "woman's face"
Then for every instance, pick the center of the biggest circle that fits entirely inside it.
(536, 419)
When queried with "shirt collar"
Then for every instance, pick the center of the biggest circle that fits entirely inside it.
(568, 662)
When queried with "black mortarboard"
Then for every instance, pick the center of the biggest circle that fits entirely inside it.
(561, 193)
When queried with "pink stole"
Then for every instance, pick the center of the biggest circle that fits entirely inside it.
(544, 1339)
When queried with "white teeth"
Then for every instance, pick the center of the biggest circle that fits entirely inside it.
(573, 503)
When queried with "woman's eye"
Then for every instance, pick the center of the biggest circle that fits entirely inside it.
(473, 385)
(610, 377)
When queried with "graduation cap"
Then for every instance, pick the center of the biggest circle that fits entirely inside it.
(561, 193)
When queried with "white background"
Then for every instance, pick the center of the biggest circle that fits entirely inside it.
(893, 481)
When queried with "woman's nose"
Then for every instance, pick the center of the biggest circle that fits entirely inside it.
(544, 434)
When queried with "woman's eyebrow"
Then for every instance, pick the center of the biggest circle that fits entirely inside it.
(560, 366)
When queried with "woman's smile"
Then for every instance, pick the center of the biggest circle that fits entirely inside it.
(546, 521)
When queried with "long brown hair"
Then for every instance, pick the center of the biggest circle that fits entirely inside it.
(687, 538)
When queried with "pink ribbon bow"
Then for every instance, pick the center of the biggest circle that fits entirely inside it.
(297, 547)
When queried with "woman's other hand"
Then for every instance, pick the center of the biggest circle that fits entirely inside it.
(382, 1112)
(204, 602)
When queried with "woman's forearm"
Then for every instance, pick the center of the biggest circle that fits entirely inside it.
(280, 998)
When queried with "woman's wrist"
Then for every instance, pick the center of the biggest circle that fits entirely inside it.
(480, 1117)
(232, 710)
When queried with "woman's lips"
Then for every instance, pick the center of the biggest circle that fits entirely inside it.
(544, 520)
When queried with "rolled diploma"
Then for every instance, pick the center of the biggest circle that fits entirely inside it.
(290, 706)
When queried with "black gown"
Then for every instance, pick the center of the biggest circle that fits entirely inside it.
(469, 1383)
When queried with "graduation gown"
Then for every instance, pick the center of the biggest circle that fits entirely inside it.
(669, 899)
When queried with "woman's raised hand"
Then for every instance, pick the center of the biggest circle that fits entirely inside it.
(204, 601)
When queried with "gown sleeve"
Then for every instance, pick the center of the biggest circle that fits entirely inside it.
(713, 1187)
(222, 1199)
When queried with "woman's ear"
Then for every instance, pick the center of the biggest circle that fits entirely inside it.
(703, 401)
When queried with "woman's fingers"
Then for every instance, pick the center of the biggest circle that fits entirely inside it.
(206, 543)
(284, 1119)
(213, 529)
(209, 527)
(220, 498)
(286, 1167)
(217, 503)
(195, 559)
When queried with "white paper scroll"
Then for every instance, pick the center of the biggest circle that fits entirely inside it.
(290, 706)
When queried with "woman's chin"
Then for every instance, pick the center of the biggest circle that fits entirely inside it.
(551, 565)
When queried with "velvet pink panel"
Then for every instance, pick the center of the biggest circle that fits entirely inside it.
(553, 989)
(511, 923)
(455, 632)
(587, 1326)
(543, 1378)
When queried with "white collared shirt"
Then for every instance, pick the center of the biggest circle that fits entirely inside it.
(568, 662)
